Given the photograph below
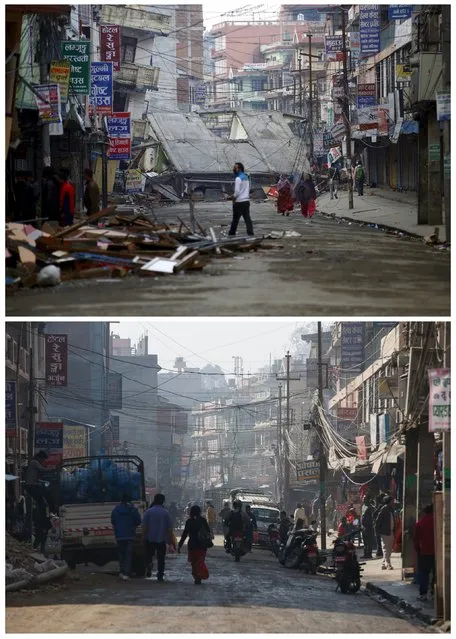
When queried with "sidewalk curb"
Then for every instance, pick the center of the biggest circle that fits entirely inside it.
(383, 227)
(397, 601)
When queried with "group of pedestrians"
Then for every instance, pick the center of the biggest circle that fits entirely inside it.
(158, 537)
(55, 196)
(300, 190)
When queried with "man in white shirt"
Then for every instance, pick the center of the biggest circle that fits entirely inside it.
(241, 200)
(300, 513)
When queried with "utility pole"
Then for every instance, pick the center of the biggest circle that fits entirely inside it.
(45, 36)
(446, 82)
(322, 448)
(31, 423)
(309, 35)
(346, 109)
(279, 446)
(104, 164)
(446, 486)
(285, 434)
(300, 83)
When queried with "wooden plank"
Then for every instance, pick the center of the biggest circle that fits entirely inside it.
(69, 230)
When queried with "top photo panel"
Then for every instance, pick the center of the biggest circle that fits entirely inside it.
(228, 160)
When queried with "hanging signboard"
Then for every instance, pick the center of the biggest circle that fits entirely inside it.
(355, 45)
(338, 87)
(443, 99)
(366, 95)
(74, 441)
(10, 408)
(403, 72)
(352, 346)
(397, 131)
(439, 400)
(110, 44)
(338, 130)
(373, 423)
(384, 427)
(368, 118)
(77, 52)
(334, 154)
(47, 99)
(347, 414)
(383, 120)
(400, 11)
(134, 181)
(56, 360)
(334, 48)
(362, 448)
(369, 29)
(101, 98)
(119, 149)
(309, 470)
(119, 131)
(49, 437)
(59, 73)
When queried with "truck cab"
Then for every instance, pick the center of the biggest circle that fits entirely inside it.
(89, 488)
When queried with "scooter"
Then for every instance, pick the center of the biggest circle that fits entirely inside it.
(301, 548)
(346, 566)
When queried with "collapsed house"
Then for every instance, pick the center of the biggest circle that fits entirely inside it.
(183, 154)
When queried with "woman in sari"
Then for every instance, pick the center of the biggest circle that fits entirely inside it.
(199, 540)
(306, 195)
(285, 201)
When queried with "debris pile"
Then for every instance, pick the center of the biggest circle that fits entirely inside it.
(111, 244)
(23, 565)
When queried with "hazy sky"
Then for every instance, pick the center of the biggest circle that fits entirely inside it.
(215, 12)
(211, 341)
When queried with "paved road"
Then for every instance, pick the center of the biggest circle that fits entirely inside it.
(332, 269)
(255, 596)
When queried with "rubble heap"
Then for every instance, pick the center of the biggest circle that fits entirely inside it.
(110, 244)
(22, 567)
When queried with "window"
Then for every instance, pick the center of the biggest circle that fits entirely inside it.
(128, 49)
(220, 67)
(258, 84)
(220, 43)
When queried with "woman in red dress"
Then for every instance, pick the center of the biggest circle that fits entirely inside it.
(306, 195)
(199, 540)
(285, 200)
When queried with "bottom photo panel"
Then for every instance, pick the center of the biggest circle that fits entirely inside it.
(297, 472)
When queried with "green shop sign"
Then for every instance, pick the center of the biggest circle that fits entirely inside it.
(77, 52)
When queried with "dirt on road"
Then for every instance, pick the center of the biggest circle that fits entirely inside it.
(258, 595)
(333, 268)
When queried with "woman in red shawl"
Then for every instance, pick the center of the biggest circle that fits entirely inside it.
(199, 540)
(285, 200)
(306, 195)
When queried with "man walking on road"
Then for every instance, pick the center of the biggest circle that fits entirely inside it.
(334, 178)
(425, 551)
(157, 531)
(241, 200)
(384, 525)
(125, 518)
(91, 193)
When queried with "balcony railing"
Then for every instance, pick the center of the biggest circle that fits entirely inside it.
(138, 77)
(140, 19)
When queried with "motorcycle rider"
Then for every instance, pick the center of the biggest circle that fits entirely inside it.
(238, 522)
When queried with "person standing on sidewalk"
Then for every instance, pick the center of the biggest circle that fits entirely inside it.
(157, 531)
(367, 523)
(125, 518)
(241, 200)
(425, 551)
(334, 179)
(384, 525)
(378, 538)
(91, 193)
(360, 177)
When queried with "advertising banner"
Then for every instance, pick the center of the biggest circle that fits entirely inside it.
(383, 120)
(439, 400)
(309, 470)
(384, 427)
(10, 408)
(119, 149)
(347, 414)
(49, 437)
(134, 181)
(110, 44)
(47, 99)
(352, 346)
(101, 98)
(59, 73)
(56, 356)
(362, 448)
(334, 48)
(443, 99)
(368, 118)
(403, 72)
(400, 11)
(373, 429)
(369, 29)
(119, 131)
(355, 45)
(77, 52)
(367, 95)
(74, 441)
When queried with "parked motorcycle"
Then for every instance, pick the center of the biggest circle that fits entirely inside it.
(301, 549)
(274, 539)
(346, 566)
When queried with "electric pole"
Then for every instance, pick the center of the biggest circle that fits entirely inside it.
(309, 35)
(346, 109)
(446, 82)
(280, 447)
(300, 83)
(285, 435)
(44, 55)
(322, 448)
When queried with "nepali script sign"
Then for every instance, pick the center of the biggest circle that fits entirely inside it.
(119, 131)
(47, 97)
(49, 437)
(308, 471)
(101, 87)
(10, 408)
(369, 28)
(59, 73)
(110, 44)
(56, 359)
(439, 400)
(78, 54)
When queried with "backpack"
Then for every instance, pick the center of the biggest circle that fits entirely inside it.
(359, 173)
(204, 537)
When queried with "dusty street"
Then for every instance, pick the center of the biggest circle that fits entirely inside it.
(257, 595)
(333, 268)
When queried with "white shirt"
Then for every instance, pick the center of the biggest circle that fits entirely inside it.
(241, 190)
(300, 513)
